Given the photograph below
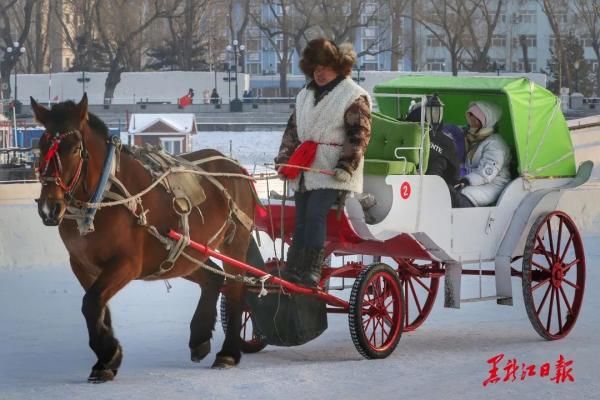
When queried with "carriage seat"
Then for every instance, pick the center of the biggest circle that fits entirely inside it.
(387, 134)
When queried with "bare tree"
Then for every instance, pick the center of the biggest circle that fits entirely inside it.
(480, 32)
(554, 10)
(445, 20)
(12, 19)
(119, 24)
(588, 13)
(238, 29)
(284, 29)
(397, 11)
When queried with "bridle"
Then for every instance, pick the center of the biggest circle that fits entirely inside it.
(47, 175)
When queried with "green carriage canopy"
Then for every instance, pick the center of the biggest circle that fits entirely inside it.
(531, 123)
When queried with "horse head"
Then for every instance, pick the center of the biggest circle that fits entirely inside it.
(62, 156)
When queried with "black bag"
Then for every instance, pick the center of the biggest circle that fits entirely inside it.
(284, 319)
(287, 319)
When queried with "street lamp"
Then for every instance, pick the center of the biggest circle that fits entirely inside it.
(14, 53)
(434, 112)
(358, 78)
(236, 104)
(576, 65)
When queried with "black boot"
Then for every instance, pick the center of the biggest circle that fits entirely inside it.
(313, 261)
(294, 262)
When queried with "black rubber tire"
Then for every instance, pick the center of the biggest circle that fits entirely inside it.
(249, 345)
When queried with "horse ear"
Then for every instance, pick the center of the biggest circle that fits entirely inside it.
(83, 108)
(40, 112)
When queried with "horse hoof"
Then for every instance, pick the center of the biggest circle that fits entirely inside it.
(102, 375)
(224, 362)
(199, 352)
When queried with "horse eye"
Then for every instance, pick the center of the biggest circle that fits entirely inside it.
(76, 149)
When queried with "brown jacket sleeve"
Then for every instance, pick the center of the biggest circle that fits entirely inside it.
(289, 141)
(357, 122)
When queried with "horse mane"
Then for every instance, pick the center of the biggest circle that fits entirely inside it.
(62, 110)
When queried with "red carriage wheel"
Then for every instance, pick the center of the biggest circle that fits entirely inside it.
(419, 293)
(553, 275)
(376, 312)
(251, 342)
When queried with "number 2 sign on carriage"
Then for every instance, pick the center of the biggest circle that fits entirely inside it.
(514, 370)
(405, 190)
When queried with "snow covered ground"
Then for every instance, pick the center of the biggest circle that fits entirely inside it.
(44, 352)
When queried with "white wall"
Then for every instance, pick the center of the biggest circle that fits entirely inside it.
(156, 86)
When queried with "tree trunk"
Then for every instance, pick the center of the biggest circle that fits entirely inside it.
(112, 80)
(523, 43)
(5, 69)
(283, 86)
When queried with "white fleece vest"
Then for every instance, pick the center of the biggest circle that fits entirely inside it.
(324, 123)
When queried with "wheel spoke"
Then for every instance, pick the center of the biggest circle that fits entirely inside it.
(543, 300)
(541, 267)
(564, 296)
(543, 249)
(540, 283)
(422, 284)
(564, 253)
(549, 229)
(417, 303)
(560, 225)
(560, 325)
(569, 265)
(550, 312)
(568, 282)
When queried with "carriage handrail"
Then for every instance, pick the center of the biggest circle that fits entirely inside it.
(422, 123)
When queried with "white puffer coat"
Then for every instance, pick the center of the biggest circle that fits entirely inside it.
(488, 170)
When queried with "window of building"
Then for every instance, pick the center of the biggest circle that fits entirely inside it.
(172, 145)
(561, 18)
(519, 66)
(253, 68)
(531, 41)
(67, 62)
(370, 8)
(499, 41)
(433, 41)
(372, 46)
(369, 32)
(371, 66)
(501, 17)
(253, 56)
(585, 41)
(526, 17)
(253, 44)
(435, 64)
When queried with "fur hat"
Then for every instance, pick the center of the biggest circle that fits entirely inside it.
(325, 52)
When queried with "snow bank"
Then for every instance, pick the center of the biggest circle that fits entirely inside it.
(25, 241)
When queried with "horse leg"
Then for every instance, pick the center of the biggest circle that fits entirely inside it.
(231, 353)
(205, 316)
(86, 280)
(101, 338)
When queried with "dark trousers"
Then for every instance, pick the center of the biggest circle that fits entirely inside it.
(458, 199)
(312, 207)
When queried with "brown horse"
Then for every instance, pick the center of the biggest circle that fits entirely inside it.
(120, 250)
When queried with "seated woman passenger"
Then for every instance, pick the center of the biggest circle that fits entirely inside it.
(487, 161)
(443, 158)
